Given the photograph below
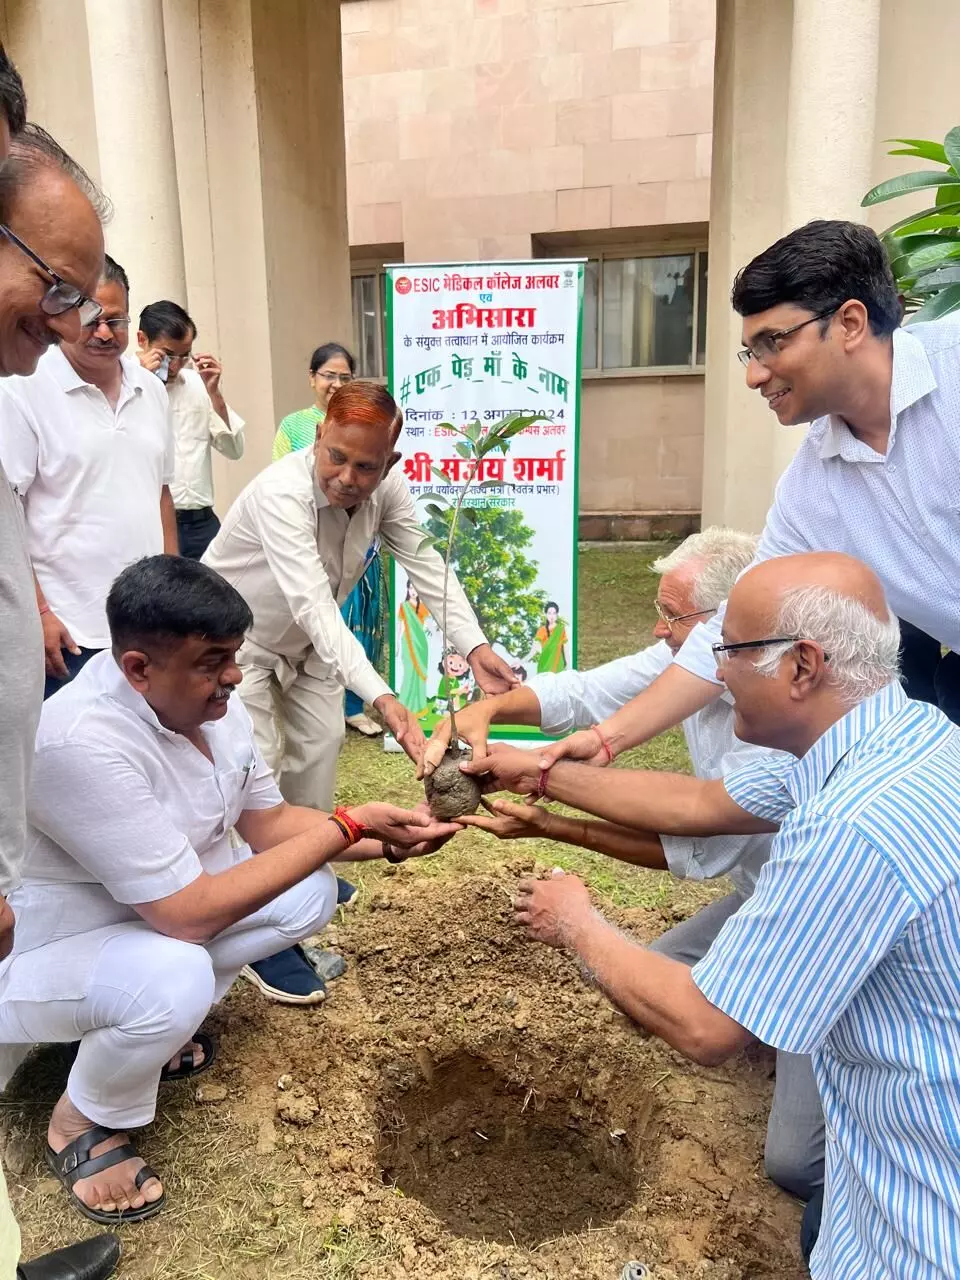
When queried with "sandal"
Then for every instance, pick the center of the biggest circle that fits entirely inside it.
(75, 1162)
(186, 1068)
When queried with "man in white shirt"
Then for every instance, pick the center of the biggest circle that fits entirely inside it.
(201, 418)
(137, 910)
(695, 579)
(878, 473)
(87, 444)
(294, 544)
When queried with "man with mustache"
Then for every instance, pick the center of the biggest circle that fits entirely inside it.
(87, 442)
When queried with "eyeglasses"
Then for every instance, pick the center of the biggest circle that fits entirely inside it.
(767, 345)
(670, 619)
(61, 296)
(327, 376)
(115, 322)
(720, 649)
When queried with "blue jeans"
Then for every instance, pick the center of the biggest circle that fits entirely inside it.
(75, 664)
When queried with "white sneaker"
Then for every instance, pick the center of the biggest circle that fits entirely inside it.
(364, 724)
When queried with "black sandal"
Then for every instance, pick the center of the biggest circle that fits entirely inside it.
(75, 1162)
(186, 1068)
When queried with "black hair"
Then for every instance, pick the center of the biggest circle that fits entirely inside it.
(551, 604)
(327, 352)
(161, 600)
(168, 319)
(13, 99)
(113, 273)
(819, 267)
(33, 149)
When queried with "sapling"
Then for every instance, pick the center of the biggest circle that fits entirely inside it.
(450, 792)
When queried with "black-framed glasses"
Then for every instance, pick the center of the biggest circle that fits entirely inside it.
(720, 649)
(61, 296)
(767, 345)
(671, 618)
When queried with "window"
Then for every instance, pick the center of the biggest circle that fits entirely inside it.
(645, 312)
(369, 308)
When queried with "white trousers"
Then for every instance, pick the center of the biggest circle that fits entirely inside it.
(147, 996)
(299, 730)
(9, 1235)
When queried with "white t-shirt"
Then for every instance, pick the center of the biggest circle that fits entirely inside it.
(90, 480)
(122, 811)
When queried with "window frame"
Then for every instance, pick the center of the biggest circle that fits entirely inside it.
(656, 249)
(378, 270)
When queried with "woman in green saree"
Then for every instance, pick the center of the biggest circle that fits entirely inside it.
(332, 366)
(413, 651)
(550, 642)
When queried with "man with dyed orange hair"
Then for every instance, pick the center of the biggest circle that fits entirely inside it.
(294, 544)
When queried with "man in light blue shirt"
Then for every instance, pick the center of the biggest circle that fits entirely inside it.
(878, 473)
(849, 948)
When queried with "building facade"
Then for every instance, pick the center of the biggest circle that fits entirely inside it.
(493, 129)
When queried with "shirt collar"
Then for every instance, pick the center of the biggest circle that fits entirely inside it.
(67, 378)
(812, 772)
(912, 379)
(120, 690)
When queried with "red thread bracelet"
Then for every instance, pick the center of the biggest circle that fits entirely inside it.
(603, 742)
(43, 608)
(352, 829)
(542, 783)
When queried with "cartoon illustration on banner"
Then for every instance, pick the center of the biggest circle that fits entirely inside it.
(473, 344)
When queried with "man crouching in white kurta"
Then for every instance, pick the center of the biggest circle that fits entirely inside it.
(136, 911)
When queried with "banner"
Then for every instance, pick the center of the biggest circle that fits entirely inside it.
(474, 343)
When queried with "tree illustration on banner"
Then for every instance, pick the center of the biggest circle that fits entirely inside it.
(450, 792)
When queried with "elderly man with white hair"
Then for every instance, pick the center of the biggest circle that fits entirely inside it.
(694, 580)
(849, 949)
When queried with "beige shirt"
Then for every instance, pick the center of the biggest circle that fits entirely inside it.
(196, 427)
(295, 560)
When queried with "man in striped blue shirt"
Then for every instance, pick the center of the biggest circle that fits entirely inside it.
(849, 949)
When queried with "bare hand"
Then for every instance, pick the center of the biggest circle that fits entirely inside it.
(403, 724)
(511, 821)
(405, 827)
(552, 910)
(506, 768)
(584, 747)
(473, 725)
(490, 672)
(210, 370)
(56, 637)
(151, 358)
(7, 924)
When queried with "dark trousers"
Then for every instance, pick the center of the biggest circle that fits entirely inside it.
(928, 674)
(75, 663)
(196, 530)
(810, 1226)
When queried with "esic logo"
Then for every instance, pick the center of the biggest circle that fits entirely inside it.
(403, 284)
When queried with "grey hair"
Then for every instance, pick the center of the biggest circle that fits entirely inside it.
(721, 555)
(864, 650)
(33, 149)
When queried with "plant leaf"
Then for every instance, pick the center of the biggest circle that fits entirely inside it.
(472, 431)
(464, 450)
(435, 497)
(936, 280)
(931, 255)
(951, 147)
(433, 510)
(427, 541)
(467, 516)
(939, 221)
(941, 304)
(907, 182)
(903, 226)
(923, 148)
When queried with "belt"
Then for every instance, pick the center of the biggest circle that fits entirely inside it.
(195, 515)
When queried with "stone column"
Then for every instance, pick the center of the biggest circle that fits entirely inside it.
(135, 142)
(830, 126)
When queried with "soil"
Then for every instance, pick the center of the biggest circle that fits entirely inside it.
(464, 1105)
(451, 792)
